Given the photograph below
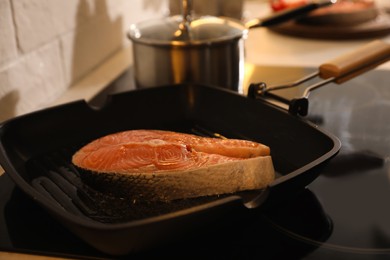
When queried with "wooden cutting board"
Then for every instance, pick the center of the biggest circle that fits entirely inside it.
(378, 27)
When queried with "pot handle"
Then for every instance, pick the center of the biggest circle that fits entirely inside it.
(186, 12)
(286, 15)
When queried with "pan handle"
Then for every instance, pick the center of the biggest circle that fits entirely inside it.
(352, 64)
(338, 70)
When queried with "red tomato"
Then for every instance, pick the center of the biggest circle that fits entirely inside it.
(278, 5)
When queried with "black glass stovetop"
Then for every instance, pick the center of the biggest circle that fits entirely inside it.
(343, 214)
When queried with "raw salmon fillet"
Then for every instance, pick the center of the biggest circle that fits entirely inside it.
(166, 165)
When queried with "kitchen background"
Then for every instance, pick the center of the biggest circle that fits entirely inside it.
(46, 46)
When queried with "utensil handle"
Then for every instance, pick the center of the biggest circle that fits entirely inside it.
(352, 64)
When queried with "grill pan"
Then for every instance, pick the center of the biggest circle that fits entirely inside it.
(36, 149)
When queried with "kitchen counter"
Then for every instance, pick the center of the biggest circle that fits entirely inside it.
(263, 48)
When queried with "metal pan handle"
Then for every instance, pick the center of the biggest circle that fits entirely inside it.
(338, 70)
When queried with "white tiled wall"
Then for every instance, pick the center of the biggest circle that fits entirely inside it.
(46, 45)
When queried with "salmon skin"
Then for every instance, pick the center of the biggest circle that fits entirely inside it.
(167, 165)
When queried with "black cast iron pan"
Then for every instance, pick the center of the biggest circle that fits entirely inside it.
(36, 149)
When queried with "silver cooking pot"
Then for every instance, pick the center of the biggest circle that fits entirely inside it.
(206, 50)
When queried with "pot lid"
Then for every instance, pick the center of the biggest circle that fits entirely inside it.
(175, 30)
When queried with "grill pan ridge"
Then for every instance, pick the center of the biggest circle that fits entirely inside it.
(35, 150)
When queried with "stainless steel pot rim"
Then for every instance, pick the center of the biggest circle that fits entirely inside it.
(206, 30)
(187, 44)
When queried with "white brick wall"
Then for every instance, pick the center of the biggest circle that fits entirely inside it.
(46, 45)
(8, 50)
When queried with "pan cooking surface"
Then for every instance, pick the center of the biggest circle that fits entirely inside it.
(57, 178)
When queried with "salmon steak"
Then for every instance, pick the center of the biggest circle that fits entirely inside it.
(167, 165)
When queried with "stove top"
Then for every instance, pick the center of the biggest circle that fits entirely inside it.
(343, 214)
